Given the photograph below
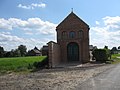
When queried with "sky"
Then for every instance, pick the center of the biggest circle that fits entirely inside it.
(33, 22)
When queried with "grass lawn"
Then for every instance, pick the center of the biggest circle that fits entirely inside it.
(116, 58)
(17, 64)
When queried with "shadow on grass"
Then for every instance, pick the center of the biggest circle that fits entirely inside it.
(36, 66)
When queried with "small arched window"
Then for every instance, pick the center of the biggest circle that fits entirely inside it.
(72, 34)
(64, 35)
(80, 34)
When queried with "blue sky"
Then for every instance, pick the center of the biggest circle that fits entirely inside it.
(33, 22)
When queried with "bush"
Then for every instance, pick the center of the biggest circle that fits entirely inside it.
(30, 66)
(42, 64)
(100, 55)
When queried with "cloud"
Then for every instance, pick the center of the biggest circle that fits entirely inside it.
(5, 24)
(9, 41)
(97, 23)
(32, 32)
(32, 6)
(107, 33)
(41, 5)
(111, 20)
(32, 25)
(23, 6)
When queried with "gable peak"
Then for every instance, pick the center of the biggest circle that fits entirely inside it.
(70, 20)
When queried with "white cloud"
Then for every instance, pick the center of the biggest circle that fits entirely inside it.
(23, 6)
(97, 23)
(107, 34)
(9, 41)
(32, 6)
(41, 5)
(37, 31)
(5, 24)
(111, 20)
(39, 26)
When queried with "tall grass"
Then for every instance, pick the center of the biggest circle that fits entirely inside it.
(18, 63)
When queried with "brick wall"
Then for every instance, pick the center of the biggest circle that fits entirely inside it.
(54, 54)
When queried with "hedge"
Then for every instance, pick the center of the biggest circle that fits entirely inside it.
(100, 55)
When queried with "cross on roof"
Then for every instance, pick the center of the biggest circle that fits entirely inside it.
(72, 9)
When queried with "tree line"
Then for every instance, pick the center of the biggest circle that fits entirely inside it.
(21, 51)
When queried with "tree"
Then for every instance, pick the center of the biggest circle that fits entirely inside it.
(119, 47)
(13, 53)
(107, 52)
(8, 54)
(17, 53)
(30, 53)
(1, 51)
(22, 49)
(106, 47)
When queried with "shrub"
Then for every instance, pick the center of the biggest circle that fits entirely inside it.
(30, 66)
(43, 64)
(100, 55)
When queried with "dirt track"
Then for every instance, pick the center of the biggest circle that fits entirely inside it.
(54, 79)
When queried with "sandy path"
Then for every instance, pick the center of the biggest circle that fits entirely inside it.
(54, 79)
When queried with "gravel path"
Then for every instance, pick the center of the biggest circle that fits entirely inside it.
(53, 79)
(108, 80)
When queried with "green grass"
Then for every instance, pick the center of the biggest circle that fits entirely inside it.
(115, 58)
(18, 64)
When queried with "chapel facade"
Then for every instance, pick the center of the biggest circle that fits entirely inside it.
(72, 41)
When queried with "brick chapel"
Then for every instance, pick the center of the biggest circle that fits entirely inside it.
(72, 42)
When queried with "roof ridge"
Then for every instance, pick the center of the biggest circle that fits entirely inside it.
(71, 15)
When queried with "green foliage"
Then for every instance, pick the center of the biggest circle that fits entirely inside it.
(16, 53)
(119, 47)
(8, 54)
(42, 64)
(22, 49)
(100, 55)
(19, 63)
(13, 53)
(108, 52)
(106, 47)
(1, 51)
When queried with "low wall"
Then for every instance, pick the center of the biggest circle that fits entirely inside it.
(54, 54)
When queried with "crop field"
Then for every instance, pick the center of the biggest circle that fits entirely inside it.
(17, 64)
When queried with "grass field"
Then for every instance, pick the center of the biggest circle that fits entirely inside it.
(116, 58)
(17, 64)
(21, 64)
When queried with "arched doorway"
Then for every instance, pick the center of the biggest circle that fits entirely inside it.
(73, 52)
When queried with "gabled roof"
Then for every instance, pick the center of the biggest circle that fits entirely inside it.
(36, 48)
(71, 19)
(36, 51)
